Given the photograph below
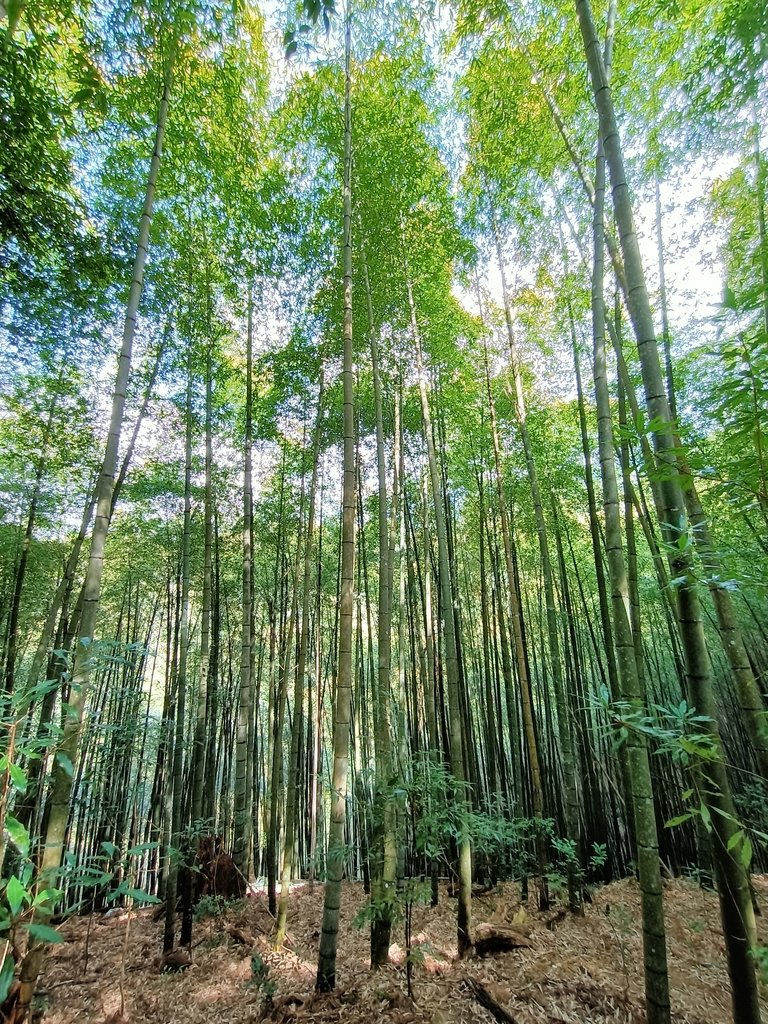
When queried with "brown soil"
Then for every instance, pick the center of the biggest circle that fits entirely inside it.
(580, 969)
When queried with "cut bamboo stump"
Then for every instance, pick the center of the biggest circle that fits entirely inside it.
(491, 938)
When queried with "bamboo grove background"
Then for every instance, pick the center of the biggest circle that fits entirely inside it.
(204, 667)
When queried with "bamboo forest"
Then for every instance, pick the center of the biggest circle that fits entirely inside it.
(383, 511)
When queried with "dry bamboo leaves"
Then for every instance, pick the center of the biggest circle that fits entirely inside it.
(585, 971)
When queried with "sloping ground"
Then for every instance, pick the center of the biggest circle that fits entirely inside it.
(586, 969)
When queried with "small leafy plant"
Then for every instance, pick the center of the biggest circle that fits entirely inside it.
(598, 857)
(28, 899)
(760, 954)
(261, 979)
(210, 906)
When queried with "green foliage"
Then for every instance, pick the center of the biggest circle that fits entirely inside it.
(7, 969)
(313, 12)
(760, 953)
(598, 857)
(392, 905)
(440, 820)
(210, 906)
(675, 730)
(28, 899)
(21, 902)
(260, 977)
(23, 748)
(42, 219)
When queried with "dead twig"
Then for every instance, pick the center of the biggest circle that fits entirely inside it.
(483, 995)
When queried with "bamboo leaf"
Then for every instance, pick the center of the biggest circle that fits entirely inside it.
(678, 820)
(18, 778)
(735, 840)
(15, 894)
(18, 835)
(6, 977)
(140, 895)
(44, 933)
(65, 761)
(745, 853)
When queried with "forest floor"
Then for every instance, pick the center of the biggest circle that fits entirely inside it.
(576, 969)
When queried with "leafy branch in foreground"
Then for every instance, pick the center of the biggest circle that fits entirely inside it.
(682, 734)
(677, 730)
